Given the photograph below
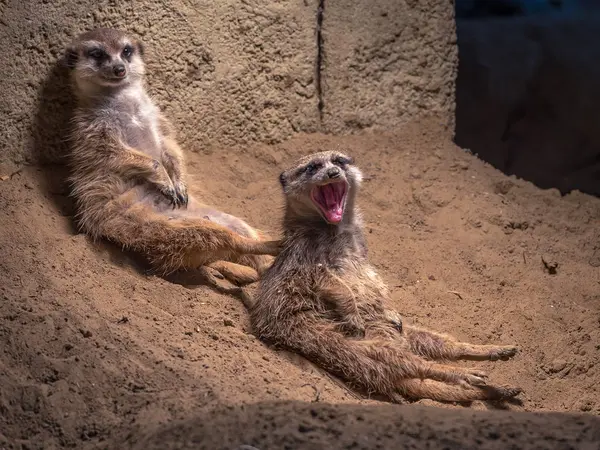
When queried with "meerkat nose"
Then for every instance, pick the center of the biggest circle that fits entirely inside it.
(333, 172)
(119, 70)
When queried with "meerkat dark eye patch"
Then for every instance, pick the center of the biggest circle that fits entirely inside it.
(312, 168)
(97, 53)
(342, 161)
(282, 179)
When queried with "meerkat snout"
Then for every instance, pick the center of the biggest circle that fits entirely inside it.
(333, 172)
(119, 70)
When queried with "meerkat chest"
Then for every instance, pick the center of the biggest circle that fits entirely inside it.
(141, 127)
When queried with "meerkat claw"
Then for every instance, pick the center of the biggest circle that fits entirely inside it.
(174, 197)
(397, 325)
(395, 319)
(504, 353)
(181, 194)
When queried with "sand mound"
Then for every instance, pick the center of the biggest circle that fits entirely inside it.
(98, 354)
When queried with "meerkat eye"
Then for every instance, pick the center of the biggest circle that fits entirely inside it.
(96, 53)
(311, 168)
(127, 51)
(341, 161)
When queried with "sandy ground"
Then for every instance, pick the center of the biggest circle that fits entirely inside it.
(95, 353)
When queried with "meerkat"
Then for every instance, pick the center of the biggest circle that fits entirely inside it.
(321, 298)
(128, 173)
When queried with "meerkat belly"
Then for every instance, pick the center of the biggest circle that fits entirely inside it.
(224, 219)
(368, 288)
(196, 210)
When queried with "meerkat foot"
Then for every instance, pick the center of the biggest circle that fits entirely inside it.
(235, 273)
(495, 392)
(216, 273)
(472, 380)
(476, 372)
(440, 391)
(503, 353)
(211, 281)
(263, 262)
(457, 375)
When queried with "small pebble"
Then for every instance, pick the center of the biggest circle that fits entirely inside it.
(558, 365)
(550, 264)
(85, 333)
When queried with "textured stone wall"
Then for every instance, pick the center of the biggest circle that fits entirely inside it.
(230, 72)
(387, 62)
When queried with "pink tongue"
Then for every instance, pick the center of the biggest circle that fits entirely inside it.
(334, 210)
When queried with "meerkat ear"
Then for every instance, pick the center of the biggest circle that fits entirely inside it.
(70, 58)
(140, 48)
(282, 179)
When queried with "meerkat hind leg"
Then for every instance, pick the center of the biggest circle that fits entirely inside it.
(442, 347)
(440, 391)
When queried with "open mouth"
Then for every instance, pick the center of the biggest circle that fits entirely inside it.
(331, 200)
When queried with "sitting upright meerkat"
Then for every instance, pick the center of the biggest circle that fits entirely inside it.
(128, 173)
(322, 299)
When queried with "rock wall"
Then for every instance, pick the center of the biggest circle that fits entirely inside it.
(225, 71)
(386, 62)
(233, 72)
(528, 97)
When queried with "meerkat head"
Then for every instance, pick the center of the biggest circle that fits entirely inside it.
(322, 184)
(105, 58)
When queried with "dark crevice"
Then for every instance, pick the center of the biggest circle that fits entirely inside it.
(319, 65)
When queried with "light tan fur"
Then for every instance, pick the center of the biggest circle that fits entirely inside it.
(322, 299)
(129, 176)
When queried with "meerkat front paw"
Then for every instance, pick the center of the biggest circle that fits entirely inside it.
(181, 193)
(164, 184)
(394, 318)
(168, 190)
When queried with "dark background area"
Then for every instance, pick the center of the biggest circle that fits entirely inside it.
(527, 95)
